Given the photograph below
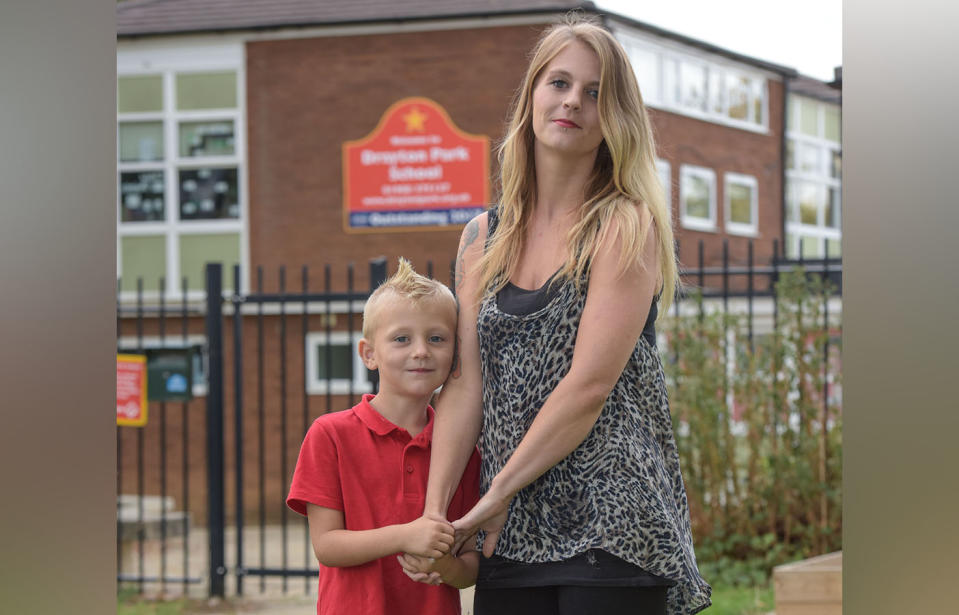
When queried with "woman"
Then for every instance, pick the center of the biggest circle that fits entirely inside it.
(583, 507)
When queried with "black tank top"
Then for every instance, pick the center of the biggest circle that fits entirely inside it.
(512, 299)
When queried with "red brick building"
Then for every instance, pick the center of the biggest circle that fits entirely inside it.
(232, 118)
(275, 90)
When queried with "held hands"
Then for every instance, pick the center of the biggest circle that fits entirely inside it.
(424, 569)
(489, 515)
(428, 537)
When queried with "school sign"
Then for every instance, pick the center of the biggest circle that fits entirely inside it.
(415, 171)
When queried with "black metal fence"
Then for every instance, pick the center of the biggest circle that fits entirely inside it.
(232, 452)
(749, 281)
(229, 456)
(153, 465)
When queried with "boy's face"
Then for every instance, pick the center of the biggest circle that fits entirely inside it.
(411, 346)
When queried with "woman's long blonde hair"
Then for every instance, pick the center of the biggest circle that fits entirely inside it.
(623, 178)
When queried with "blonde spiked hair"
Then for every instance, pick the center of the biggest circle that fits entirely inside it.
(624, 176)
(406, 284)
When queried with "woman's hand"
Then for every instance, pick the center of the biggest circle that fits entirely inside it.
(489, 515)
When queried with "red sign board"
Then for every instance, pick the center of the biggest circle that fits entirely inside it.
(131, 390)
(415, 170)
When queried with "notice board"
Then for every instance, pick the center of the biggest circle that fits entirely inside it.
(131, 390)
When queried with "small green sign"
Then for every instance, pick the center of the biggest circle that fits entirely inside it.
(170, 374)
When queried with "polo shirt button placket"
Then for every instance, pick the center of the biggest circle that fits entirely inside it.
(409, 469)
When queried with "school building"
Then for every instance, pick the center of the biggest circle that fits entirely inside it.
(294, 138)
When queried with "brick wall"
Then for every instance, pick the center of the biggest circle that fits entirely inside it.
(305, 97)
(685, 140)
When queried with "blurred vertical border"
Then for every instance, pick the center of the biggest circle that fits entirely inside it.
(57, 279)
(901, 294)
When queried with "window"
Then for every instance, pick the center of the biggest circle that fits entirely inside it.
(808, 117)
(646, 64)
(716, 92)
(811, 202)
(671, 95)
(809, 159)
(813, 179)
(831, 123)
(812, 220)
(691, 83)
(835, 169)
(697, 198)
(332, 364)
(180, 196)
(741, 204)
(665, 178)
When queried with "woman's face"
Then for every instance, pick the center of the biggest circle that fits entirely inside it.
(565, 113)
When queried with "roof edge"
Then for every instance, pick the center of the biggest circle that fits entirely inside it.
(586, 6)
(785, 71)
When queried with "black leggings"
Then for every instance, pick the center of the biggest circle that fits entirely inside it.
(571, 600)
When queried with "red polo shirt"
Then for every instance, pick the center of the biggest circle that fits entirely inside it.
(360, 463)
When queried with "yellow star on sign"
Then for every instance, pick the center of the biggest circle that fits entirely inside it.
(415, 121)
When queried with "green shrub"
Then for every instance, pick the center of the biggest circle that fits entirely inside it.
(764, 487)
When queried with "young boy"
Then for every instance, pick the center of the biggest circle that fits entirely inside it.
(361, 474)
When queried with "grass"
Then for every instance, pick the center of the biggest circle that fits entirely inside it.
(728, 600)
(130, 603)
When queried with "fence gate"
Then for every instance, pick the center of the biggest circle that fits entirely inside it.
(271, 334)
(292, 357)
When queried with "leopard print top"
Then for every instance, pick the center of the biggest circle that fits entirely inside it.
(621, 490)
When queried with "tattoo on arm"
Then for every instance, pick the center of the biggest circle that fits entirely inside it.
(469, 236)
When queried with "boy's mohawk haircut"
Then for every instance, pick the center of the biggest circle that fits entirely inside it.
(405, 283)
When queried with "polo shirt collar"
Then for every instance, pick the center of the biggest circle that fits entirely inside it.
(379, 425)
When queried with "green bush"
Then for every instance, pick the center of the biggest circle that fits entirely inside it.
(764, 486)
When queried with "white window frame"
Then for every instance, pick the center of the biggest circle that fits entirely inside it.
(653, 92)
(738, 228)
(666, 179)
(339, 386)
(692, 222)
(671, 54)
(198, 56)
(822, 177)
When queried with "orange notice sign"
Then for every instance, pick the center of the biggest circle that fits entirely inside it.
(131, 390)
(415, 170)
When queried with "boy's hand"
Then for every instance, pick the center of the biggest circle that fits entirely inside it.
(428, 536)
(424, 569)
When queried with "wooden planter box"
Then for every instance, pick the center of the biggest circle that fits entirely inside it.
(810, 587)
